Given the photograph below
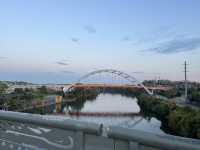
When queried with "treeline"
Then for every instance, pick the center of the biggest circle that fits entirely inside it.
(16, 83)
(178, 89)
(81, 96)
(3, 87)
(21, 98)
(170, 93)
(175, 120)
(194, 95)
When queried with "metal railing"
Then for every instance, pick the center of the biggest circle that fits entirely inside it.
(30, 131)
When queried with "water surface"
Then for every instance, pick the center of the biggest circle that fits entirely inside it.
(112, 103)
(116, 103)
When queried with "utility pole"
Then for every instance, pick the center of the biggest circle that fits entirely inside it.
(154, 85)
(186, 82)
(158, 80)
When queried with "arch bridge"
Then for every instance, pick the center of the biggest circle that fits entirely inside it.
(134, 82)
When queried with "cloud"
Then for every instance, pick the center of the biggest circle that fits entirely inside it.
(74, 39)
(67, 72)
(61, 63)
(2, 57)
(126, 38)
(159, 34)
(137, 72)
(50, 72)
(176, 46)
(64, 59)
(90, 29)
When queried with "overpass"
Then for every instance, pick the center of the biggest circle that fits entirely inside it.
(21, 131)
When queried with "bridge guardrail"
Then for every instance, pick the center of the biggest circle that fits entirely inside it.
(83, 136)
(157, 141)
(52, 122)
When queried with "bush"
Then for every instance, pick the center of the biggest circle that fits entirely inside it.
(185, 122)
(43, 90)
(169, 93)
(3, 87)
(179, 121)
(194, 96)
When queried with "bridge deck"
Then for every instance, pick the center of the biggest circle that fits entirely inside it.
(118, 86)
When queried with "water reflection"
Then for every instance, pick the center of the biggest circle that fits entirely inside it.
(118, 103)
(111, 103)
(107, 103)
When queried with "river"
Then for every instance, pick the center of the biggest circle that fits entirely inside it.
(109, 104)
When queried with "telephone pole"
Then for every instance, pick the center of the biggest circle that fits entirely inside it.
(186, 82)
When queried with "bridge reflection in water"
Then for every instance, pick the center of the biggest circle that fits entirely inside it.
(36, 132)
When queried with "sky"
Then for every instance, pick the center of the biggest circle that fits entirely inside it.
(58, 41)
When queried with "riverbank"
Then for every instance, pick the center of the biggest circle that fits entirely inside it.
(182, 121)
(22, 99)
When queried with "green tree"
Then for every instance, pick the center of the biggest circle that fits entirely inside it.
(43, 90)
(18, 91)
(3, 87)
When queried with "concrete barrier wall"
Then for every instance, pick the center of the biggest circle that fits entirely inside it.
(140, 139)
(28, 131)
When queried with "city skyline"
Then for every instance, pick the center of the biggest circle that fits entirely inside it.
(53, 41)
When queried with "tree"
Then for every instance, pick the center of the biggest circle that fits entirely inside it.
(3, 87)
(194, 96)
(18, 91)
(43, 90)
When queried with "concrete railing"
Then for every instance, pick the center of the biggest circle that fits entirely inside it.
(142, 139)
(30, 131)
(52, 122)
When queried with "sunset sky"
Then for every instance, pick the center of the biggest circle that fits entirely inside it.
(57, 41)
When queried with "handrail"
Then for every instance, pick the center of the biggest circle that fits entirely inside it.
(168, 142)
(52, 122)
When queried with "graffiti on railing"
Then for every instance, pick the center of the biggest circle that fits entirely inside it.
(28, 137)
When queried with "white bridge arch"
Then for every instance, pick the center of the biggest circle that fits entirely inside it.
(126, 76)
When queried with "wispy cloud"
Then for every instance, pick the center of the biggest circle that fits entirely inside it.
(64, 60)
(126, 38)
(67, 72)
(157, 35)
(176, 46)
(137, 72)
(90, 29)
(50, 72)
(61, 63)
(74, 39)
(2, 57)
